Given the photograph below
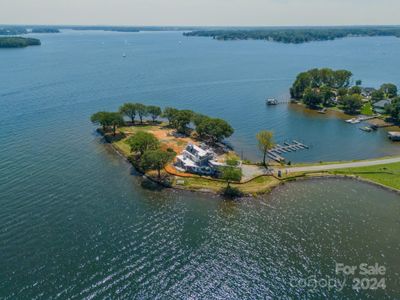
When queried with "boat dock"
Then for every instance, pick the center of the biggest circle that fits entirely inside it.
(273, 101)
(276, 152)
(394, 135)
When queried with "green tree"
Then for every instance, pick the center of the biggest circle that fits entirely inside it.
(115, 121)
(377, 95)
(352, 103)
(143, 141)
(355, 90)
(265, 143)
(302, 82)
(312, 98)
(214, 129)
(326, 95)
(358, 82)
(342, 78)
(129, 110)
(100, 118)
(394, 109)
(169, 113)
(389, 89)
(141, 111)
(342, 92)
(154, 112)
(231, 174)
(199, 118)
(156, 160)
(181, 120)
(108, 119)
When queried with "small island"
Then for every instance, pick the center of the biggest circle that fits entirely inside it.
(295, 35)
(18, 42)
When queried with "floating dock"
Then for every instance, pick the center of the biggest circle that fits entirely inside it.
(276, 152)
(394, 135)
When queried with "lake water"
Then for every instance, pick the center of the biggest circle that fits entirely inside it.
(74, 224)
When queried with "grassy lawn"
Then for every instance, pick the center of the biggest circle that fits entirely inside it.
(123, 147)
(259, 185)
(367, 109)
(388, 175)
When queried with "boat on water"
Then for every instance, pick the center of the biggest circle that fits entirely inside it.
(272, 101)
(366, 129)
(353, 121)
(124, 55)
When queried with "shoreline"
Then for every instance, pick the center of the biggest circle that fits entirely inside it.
(263, 190)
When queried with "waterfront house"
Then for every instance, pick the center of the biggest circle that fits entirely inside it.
(367, 92)
(380, 106)
(195, 159)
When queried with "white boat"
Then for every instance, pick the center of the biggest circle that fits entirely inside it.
(272, 101)
(349, 121)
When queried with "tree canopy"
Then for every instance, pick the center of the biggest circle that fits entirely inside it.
(317, 78)
(180, 119)
(231, 174)
(141, 110)
(154, 112)
(214, 129)
(129, 110)
(18, 42)
(394, 109)
(143, 141)
(389, 90)
(265, 143)
(156, 160)
(108, 119)
(352, 103)
(296, 35)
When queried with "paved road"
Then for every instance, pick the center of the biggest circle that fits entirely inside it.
(343, 165)
(251, 171)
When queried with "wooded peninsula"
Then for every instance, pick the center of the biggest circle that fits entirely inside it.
(296, 35)
(327, 88)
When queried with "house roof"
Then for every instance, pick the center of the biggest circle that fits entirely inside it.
(194, 149)
(187, 162)
(382, 103)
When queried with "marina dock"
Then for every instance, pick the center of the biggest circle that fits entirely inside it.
(276, 152)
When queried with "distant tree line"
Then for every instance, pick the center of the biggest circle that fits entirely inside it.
(296, 35)
(18, 42)
(45, 30)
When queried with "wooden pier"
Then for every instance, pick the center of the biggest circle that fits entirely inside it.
(275, 153)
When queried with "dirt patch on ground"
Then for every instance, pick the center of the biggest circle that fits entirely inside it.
(379, 122)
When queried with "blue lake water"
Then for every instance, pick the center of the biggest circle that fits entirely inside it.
(75, 222)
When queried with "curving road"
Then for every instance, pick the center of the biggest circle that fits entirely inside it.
(357, 164)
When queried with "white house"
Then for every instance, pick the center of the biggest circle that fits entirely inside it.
(195, 159)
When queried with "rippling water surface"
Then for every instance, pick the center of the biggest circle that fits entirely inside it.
(74, 223)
